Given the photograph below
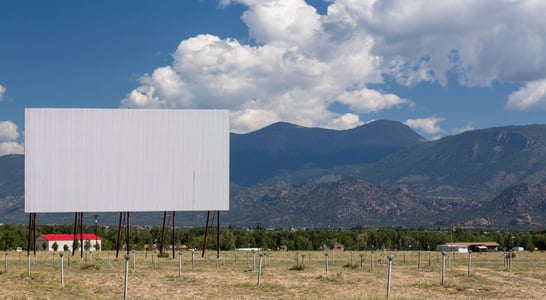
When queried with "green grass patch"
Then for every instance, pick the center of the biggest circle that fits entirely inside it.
(297, 268)
(90, 267)
(350, 266)
(334, 278)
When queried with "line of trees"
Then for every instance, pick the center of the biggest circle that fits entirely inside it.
(13, 236)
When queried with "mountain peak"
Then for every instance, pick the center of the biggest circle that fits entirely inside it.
(284, 146)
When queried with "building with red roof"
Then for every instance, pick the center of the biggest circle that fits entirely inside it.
(46, 241)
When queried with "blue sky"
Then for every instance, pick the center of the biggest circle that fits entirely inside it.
(441, 67)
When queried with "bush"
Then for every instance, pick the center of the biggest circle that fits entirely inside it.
(90, 267)
(351, 266)
(297, 268)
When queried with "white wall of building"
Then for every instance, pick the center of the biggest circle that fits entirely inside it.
(452, 248)
(49, 245)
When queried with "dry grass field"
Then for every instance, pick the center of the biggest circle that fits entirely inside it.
(235, 276)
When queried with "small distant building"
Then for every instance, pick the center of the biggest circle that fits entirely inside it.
(338, 247)
(453, 247)
(249, 249)
(464, 247)
(48, 240)
(179, 247)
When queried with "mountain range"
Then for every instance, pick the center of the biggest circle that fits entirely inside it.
(379, 174)
(283, 147)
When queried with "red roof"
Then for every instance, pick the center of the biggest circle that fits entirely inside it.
(70, 237)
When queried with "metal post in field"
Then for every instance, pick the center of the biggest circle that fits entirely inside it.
(510, 261)
(179, 263)
(443, 266)
(28, 261)
(6, 264)
(352, 255)
(253, 260)
(326, 256)
(127, 256)
(372, 262)
(390, 257)
(62, 268)
(192, 259)
(469, 261)
(419, 261)
(260, 269)
(134, 260)
(361, 260)
(302, 259)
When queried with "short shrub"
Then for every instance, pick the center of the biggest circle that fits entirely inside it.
(351, 266)
(90, 267)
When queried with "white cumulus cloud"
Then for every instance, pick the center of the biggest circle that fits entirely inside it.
(11, 148)
(366, 100)
(469, 126)
(293, 73)
(2, 91)
(286, 23)
(426, 125)
(532, 95)
(479, 41)
(8, 131)
(299, 62)
(345, 121)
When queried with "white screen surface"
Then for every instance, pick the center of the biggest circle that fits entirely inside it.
(111, 160)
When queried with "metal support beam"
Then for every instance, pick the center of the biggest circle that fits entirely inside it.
(162, 239)
(218, 236)
(206, 234)
(173, 234)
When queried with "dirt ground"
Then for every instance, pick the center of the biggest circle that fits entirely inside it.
(414, 275)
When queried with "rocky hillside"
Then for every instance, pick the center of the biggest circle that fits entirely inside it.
(380, 174)
(476, 164)
(345, 203)
(521, 204)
